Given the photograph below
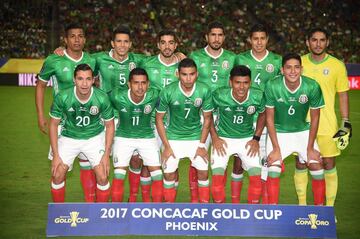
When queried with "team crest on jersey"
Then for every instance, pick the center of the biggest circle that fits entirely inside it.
(198, 102)
(132, 66)
(147, 109)
(326, 71)
(303, 99)
(225, 65)
(269, 68)
(94, 110)
(250, 110)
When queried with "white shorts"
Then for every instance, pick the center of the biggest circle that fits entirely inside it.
(92, 149)
(50, 155)
(237, 147)
(184, 149)
(124, 148)
(292, 143)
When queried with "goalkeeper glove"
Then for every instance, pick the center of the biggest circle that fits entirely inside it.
(343, 135)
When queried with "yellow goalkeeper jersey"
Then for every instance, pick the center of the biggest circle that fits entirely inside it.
(331, 75)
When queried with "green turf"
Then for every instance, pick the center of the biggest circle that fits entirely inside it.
(25, 172)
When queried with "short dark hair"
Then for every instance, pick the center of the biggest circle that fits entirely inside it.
(187, 62)
(290, 56)
(73, 26)
(167, 32)
(121, 30)
(240, 70)
(259, 28)
(317, 29)
(215, 24)
(138, 72)
(83, 67)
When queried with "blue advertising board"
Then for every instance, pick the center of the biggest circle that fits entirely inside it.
(85, 219)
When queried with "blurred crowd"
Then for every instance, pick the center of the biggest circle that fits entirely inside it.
(25, 27)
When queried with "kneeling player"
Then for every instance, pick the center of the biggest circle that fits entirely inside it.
(236, 108)
(135, 133)
(83, 108)
(185, 137)
(288, 100)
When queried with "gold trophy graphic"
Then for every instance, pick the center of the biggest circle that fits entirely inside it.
(74, 216)
(313, 218)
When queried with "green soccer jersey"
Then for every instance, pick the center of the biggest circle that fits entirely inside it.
(291, 107)
(235, 119)
(60, 69)
(213, 71)
(160, 74)
(113, 73)
(184, 110)
(261, 70)
(134, 118)
(82, 120)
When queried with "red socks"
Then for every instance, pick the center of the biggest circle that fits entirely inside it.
(254, 190)
(117, 192)
(273, 188)
(193, 185)
(88, 182)
(318, 188)
(218, 188)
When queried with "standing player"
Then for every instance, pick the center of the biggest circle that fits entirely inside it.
(60, 70)
(214, 66)
(162, 70)
(235, 133)
(184, 101)
(113, 69)
(331, 75)
(288, 100)
(264, 66)
(83, 108)
(135, 107)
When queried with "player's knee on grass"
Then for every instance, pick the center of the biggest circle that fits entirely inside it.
(202, 175)
(136, 162)
(329, 163)
(237, 168)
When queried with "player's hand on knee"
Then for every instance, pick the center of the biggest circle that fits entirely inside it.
(219, 146)
(253, 147)
(274, 156)
(105, 164)
(55, 164)
(202, 152)
(313, 154)
(166, 154)
(43, 125)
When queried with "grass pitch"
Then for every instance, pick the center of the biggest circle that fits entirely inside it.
(25, 172)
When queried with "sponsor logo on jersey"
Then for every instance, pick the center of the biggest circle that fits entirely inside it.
(202, 65)
(147, 109)
(132, 66)
(123, 110)
(94, 110)
(312, 221)
(269, 68)
(110, 67)
(73, 219)
(280, 100)
(71, 109)
(225, 65)
(197, 102)
(156, 71)
(250, 110)
(227, 109)
(239, 109)
(176, 103)
(303, 99)
(66, 69)
(292, 99)
(326, 71)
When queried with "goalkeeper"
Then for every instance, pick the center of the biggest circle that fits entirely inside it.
(331, 75)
